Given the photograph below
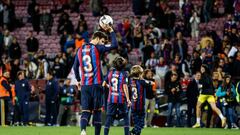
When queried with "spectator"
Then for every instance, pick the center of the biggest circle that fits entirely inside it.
(147, 49)
(51, 91)
(15, 67)
(66, 95)
(151, 63)
(63, 40)
(173, 91)
(82, 33)
(207, 10)
(23, 90)
(137, 31)
(82, 22)
(150, 19)
(150, 97)
(9, 15)
(64, 24)
(30, 69)
(227, 94)
(58, 68)
(167, 77)
(195, 20)
(236, 67)
(5, 94)
(124, 30)
(187, 10)
(47, 21)
(14, 50)
(96, 7)
(166, 50)
(229, 24)
(7, 39)
(169, 20)
(32, 45)
(193, 90)
(111, 57)
(43, 68)
(69, 44)
(180, 46)
(161, 68)
(34, 12)
(79, 41)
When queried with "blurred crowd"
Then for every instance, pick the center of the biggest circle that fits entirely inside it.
(159, 44)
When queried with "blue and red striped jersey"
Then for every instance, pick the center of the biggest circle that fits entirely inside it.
(116, 79)
(87, 64)
(138, 93)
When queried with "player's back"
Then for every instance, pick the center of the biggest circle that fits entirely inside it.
(90, 65)
(138, 90)
(116, 80)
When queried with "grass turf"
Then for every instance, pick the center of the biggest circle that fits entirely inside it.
(113, 131)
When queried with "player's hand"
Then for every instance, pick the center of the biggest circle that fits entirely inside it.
(78, 86)
(129, 103)
(108, 28)
(173, 90)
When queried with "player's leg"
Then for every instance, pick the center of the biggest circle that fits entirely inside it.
(124, 109)
(152, 109)
(86, 107)
(169, 113)
(201, 100)
(111, 111)
(178, 113)
(97, 106)
(108, 123)
(135, 122)
(212, 103)
(26, 113)
(60, 114)
(141, 122)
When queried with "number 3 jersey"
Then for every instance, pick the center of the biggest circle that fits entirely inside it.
(138, 93)
(89, 65)
(116, 79)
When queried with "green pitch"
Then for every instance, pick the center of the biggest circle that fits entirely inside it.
(113, 131)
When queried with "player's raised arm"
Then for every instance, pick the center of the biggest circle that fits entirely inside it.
(114, 43)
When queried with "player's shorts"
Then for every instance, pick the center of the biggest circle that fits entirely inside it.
(117, 110)
(91, 97)
(208, 98)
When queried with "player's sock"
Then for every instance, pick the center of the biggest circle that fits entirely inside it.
(126, 124)
(84, 120)
(221, 116)
(107, 125)
(97, 122)
(198, 120)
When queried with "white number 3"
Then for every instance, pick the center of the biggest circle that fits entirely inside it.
(88, 67)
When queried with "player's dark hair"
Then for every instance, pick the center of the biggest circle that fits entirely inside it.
(119, 63)
(99, 35)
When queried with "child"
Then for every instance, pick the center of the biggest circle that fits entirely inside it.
(118, 97)
(137, 87)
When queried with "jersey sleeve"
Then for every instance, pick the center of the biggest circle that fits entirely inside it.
(76, 67)
(108, 47)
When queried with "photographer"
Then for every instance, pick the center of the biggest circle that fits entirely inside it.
(227, 94)
(173, 90)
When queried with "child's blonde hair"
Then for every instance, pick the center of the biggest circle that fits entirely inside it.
(136, 71)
